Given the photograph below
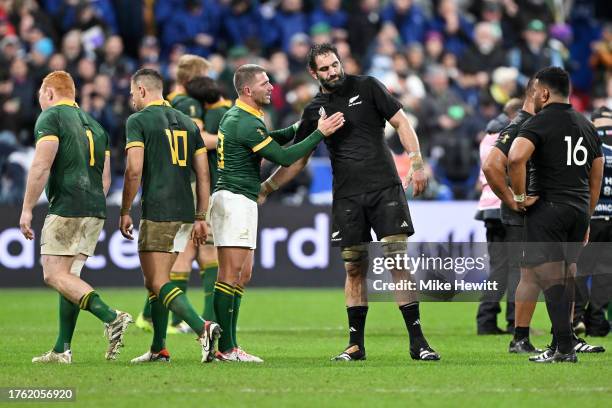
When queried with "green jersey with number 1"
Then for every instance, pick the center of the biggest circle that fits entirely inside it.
(171, 140)
(75, 187)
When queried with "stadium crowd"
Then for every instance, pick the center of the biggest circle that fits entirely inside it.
(452, 63)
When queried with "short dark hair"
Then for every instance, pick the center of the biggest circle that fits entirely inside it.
(204, 89)
(320, 49)
(244, 75)
(150, 78)
(555, 78)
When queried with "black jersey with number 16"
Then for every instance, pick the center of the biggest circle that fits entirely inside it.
(566, 144)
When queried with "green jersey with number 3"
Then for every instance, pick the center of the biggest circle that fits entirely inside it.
(212, 120)
(171, 140)
(75, 187)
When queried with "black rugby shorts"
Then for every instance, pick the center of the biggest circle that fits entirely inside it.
(385, 211)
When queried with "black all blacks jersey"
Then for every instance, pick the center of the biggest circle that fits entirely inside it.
(361, 161)
(566, 144)
(503, 143)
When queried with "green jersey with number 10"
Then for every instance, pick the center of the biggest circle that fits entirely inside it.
(171, 140)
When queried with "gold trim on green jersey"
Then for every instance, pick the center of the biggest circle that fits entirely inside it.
(67, 102)
(107, 153)
(173, 95)
(134, 144)
(262, 144)
(159, 102)
(200, 151)
(255, 112)
(49, 137)
(219, 104)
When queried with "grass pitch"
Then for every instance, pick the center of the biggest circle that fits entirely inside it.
(296, 332)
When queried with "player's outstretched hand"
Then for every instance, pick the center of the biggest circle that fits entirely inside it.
(25, 224)
(199, 232)
(126, 226)
(328, 125)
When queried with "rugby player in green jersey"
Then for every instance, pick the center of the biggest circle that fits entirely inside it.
(73, 160)
(190, 67)
(163, 146)
(243, 140)
(207, 92)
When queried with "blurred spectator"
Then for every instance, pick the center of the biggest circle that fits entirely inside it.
(504, 85)
(363, 24)
(533, 54)
(452, 148)
(24, 93)
(602, 94)
(74, 13)
(195, 25)
(280, 27)
(440, 97)
(58, 62)
(415, 55)
(98, 105)
(321, 33)
(39, 59)
(9, 106)
(242, 22)
(455, 28)
(6, 28)
(114, 62)
(491, 11)
(11, 48)
(434, 48)
(86, 71)
(279, 75)
(298, 51)
(482, 57)
(148, 50)
(521, 12)
(93, 29)
(408, 18)
(330, 13)
(72, 50)
(601, 58)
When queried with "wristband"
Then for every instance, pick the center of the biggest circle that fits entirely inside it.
(269, 183)
(200, 216)
(416, 161)
(125, 211)
(413, 154)
(519, 198)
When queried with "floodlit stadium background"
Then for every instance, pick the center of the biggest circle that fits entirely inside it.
(453, 64)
